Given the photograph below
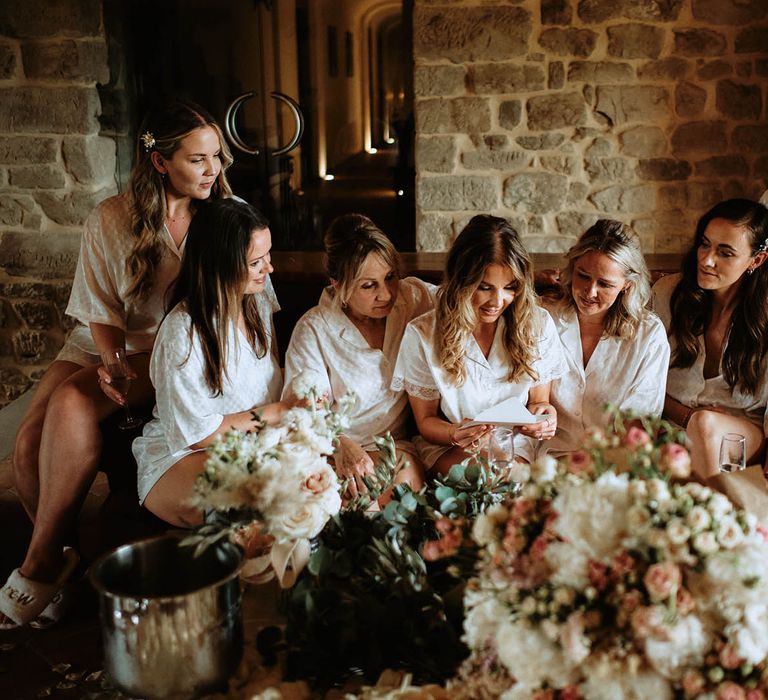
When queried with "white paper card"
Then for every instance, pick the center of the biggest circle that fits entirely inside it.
(509, 413)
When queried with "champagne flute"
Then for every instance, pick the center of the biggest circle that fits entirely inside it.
(501, 449)
(116, 363)
(733, 453)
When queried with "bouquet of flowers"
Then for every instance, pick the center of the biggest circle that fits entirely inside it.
(606, 578)
(277, 477)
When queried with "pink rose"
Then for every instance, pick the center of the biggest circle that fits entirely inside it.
(597, 574)
(543, 694)
(319, 482)
(631, 600)
(649, 622)
(662, 580)
(514, 541)
(538, 547)
(685, 601)
(622, 564)
(522, 510)
(729, 658)
(675, 459)
(728, 690)
(755, 694)
(570, 692)
(693, 684)
(636, 437)
(579, 462)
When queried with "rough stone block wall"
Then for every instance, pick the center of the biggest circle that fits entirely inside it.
(554, 113)
(56, 162)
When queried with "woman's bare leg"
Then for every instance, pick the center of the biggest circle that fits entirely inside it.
(70, 451)
(456, 455)
(412, 474)
(705, 431)
(169, 497)
(26, 451)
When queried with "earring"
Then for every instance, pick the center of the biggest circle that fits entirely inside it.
(750, 270)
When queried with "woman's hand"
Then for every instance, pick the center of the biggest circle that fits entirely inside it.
(467, 437)
(352, 462)
(105, 383)
(544, 430)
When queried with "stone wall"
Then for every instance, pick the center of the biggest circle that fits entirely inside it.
(56, 162)
(556, 112)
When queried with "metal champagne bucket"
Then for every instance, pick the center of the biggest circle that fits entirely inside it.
(171, 622)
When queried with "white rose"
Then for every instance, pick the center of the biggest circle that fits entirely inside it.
(544, 469)
(519, 472)
(698, 518)
(719, 505)
(269, 436)
(550, 629)
(730, 533)
(677, 531)
(564, 596)
(658, 490)
(528, 606)
(306, 383)
(706, 542)
(638, 488)
(657, 539)
(638, 517)
(484, 530)
(306, 521)
(498, 513)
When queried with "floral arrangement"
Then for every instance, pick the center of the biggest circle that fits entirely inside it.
(606, 578)
(276, 476)
(383, 589)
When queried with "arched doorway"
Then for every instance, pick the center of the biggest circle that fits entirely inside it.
(348, 65)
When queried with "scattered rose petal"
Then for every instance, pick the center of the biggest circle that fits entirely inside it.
(61, 668)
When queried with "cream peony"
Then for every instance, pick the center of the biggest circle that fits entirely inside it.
(593, 515)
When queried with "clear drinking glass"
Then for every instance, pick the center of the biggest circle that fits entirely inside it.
(733, 453)
(116, 364)
(501, 449)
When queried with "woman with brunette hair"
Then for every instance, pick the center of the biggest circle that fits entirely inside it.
(616, 351)
(351, 340)
(716, 315)
(486, 341)
(130, 254)
(215, 361)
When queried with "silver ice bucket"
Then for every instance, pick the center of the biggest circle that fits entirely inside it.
(171, 622)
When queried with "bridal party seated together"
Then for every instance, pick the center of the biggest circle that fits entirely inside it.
(175, 275)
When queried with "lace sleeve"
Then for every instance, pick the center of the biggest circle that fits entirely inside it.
(428, 393)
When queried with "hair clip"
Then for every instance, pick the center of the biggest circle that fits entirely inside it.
(148, 140)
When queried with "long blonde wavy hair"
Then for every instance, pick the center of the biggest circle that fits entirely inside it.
(621, 244)
(167, 124)
(484, 241)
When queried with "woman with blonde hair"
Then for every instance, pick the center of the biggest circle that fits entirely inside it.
(716, 315)
(615, 349)
(214, 364)
(351, 340)
(486, 341)
(130, 254)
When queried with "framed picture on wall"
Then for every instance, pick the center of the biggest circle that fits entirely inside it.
(348, 55)
(333, 52)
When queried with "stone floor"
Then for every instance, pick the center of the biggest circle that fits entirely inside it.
(66, 660)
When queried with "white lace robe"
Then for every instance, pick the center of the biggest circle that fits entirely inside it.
(630, 374)
(327, 342)
(99, 290)
(688, 385)
(186, 410)
(418, 371)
